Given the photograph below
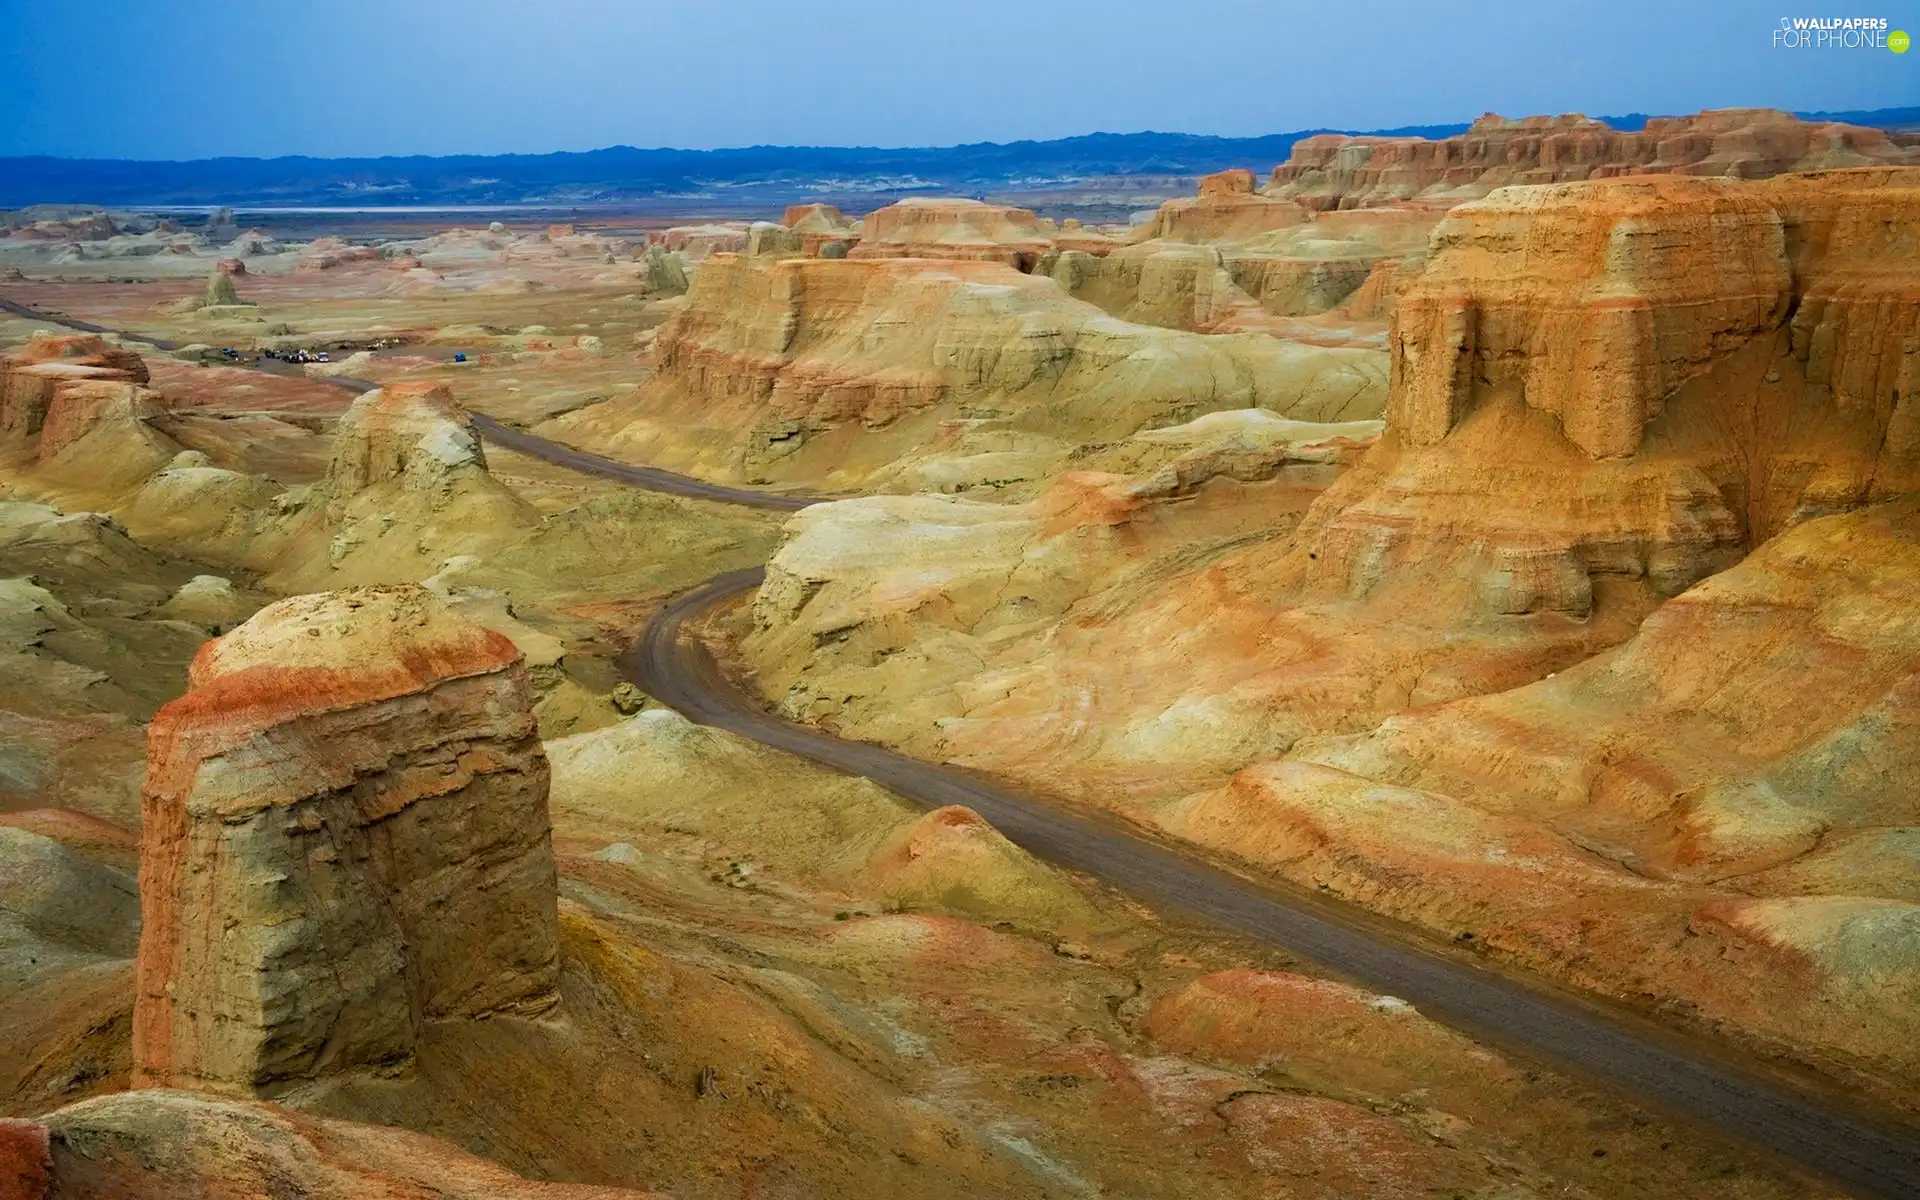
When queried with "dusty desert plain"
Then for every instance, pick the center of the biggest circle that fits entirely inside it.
(1504, 550)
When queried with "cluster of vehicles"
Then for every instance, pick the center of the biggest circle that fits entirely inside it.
(301, 355)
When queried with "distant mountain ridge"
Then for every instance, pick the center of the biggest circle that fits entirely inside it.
(626, 173)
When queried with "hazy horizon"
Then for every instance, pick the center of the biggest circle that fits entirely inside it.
(171, 81)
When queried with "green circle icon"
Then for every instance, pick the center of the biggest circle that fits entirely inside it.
(1898, 41)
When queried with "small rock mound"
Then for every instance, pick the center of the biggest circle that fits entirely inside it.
(413, 430)
(152, 1145)
(206, 600)
(666, 271)
(221, 292)
(954, 859)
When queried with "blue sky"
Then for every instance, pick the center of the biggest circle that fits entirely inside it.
(177, 79)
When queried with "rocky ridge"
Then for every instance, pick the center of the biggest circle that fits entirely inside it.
(808, 368)
(1339, 171)
(1621, 411)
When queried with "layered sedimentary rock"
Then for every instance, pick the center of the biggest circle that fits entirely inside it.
(1176, 286)
(804, 366)
(1232, 259)
(75, 409)
(346, 840)
(1725, 787)
(1591, 302)
(1340, 171)
(69, 919)
(697, 242)
(958, 626)
(100, 436)
(1227, 209)
(326, 253)
(1667, 422)
(966, 229)
(1850, 237)
(221, 292)
(411, 431)
(1226, 285)
(766, 239)
(666, 271)
(1599, 399)
(164, 1144)
(31, 376)
(822, 230)
(406, 485)
(1647, 322)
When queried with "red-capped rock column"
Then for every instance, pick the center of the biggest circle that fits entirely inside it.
(346, 839)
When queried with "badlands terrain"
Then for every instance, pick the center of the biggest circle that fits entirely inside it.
(1504, 544)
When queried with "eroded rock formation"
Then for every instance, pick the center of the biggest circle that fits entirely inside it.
(1234, 259)
(1226, 209)
(346, 839)
(327, 253)
(78, 416)
(1593, 302)
(822, 230)
(775, 366)
(1333, 170)
(1647, 476)
(408, 454)
(968, 230)
(1647, 320)
(32, 376)
(698, 242)
(154, 1145)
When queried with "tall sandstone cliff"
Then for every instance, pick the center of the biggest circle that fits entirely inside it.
(1715, 361)
(346, 840)
(1595, 301)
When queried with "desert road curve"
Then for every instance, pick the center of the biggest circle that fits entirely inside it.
(650, 478)
(677, 668)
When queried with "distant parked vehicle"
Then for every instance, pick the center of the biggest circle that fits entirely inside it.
(459, 356)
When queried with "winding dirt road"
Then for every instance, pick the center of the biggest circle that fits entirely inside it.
(676, 667)
(650, 478)
(1679, 1074)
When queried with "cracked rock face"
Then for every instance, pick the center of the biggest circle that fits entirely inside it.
(346, 839)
